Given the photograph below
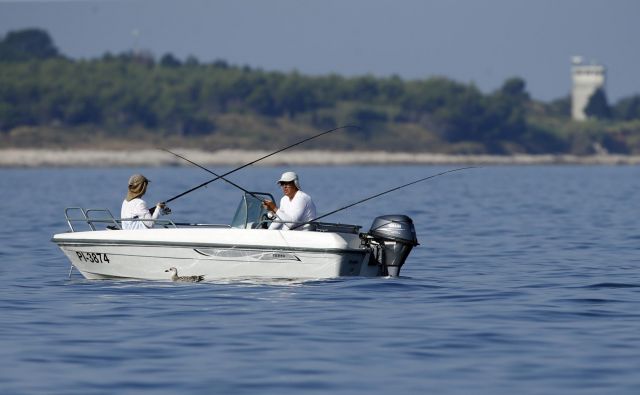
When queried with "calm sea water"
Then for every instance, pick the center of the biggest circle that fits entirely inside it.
(527, 281)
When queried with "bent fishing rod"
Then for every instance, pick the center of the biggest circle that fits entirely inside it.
(334, 211)
(383, 193)
(252, 162)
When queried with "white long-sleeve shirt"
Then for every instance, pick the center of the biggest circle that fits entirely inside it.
(299, 209)
(137, 208)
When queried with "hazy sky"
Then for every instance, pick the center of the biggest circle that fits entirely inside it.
(479, 41)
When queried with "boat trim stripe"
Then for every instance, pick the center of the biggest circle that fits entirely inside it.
(118, 243)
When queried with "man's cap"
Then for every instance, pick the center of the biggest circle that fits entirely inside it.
(288, 177)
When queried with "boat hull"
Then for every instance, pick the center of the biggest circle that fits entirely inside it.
(216, 254)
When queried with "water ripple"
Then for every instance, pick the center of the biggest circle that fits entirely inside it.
(526, 281)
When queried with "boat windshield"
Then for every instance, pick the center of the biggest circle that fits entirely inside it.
(250, 213)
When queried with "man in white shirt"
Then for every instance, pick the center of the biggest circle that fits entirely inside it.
(296, 207)
(133, 207)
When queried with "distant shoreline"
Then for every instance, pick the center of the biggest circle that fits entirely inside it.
(35, 158)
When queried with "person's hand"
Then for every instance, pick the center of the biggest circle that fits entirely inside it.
(164, 209)
(269, 205)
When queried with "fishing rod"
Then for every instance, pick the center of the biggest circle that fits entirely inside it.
(383, 193)
(215, 174)
(252, 162)
(217, 177)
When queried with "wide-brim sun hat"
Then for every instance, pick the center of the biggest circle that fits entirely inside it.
(137, 186)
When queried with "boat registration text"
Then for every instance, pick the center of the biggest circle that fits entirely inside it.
(92, 257)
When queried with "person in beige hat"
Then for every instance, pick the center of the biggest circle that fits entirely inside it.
(296, 207)
(133, 207)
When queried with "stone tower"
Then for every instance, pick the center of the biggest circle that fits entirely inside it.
(587, 78)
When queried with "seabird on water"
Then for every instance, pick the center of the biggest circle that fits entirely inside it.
(189, 279)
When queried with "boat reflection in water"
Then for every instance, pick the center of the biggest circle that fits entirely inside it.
(244, 249)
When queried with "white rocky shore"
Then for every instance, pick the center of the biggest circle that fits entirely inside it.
(151, 157)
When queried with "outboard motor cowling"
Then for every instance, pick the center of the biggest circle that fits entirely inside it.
(396, 236)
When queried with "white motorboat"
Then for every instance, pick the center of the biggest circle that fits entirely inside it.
(244, 249)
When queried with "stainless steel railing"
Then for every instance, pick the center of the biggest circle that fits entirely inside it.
(89, 218)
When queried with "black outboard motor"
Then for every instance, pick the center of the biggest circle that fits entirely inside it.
(396, 236)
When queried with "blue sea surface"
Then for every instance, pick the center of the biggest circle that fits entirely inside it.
(526, 280)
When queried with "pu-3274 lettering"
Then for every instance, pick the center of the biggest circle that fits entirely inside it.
(92, 257)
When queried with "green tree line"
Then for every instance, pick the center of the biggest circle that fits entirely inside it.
(212, 105)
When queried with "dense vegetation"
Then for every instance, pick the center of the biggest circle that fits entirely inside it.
(133, 99)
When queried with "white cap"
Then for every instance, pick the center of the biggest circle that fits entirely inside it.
(288, 177)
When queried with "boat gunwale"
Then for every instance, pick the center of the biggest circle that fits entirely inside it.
(120, 243)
